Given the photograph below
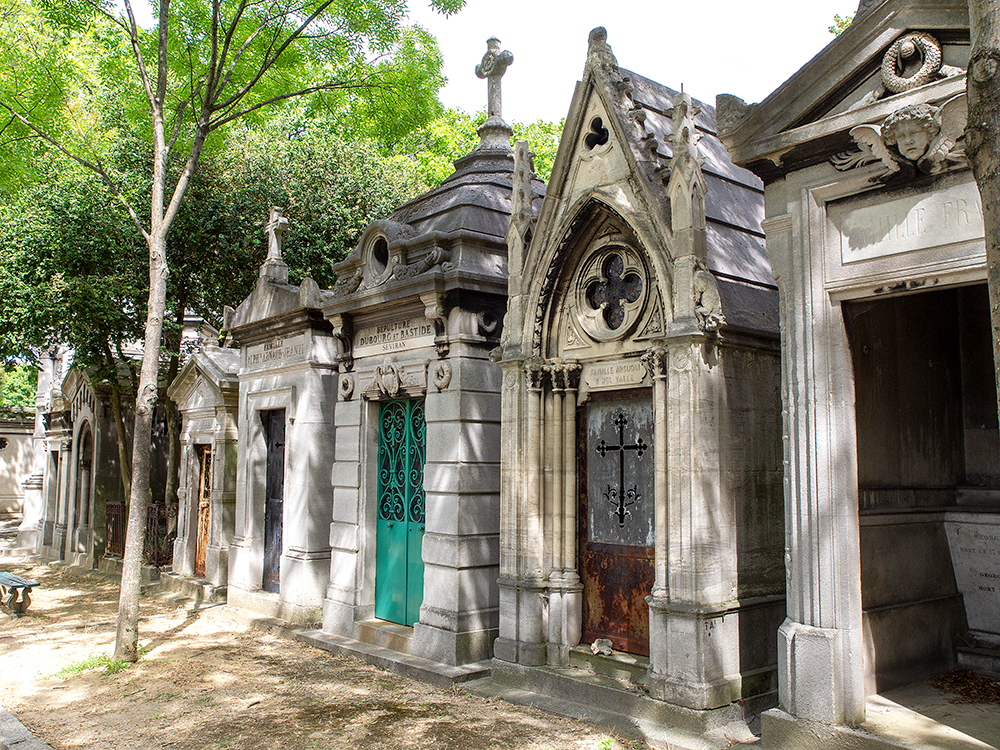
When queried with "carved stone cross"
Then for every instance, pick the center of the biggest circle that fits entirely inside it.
(275, 228)
(620, 497)
(493, 66)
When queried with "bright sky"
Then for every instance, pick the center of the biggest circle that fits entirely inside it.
(713, 47)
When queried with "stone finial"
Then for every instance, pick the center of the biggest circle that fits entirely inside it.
(492, 68)
(522, 215)
(599, 54)
(276, 226)
(274, 267)
(494, 133)
(686, 186)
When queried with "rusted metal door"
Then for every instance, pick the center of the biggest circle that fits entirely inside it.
(204, 503)
(616, 520)
(274, 494)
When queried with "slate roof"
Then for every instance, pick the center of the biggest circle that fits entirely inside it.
(734, 203)
(475, 197)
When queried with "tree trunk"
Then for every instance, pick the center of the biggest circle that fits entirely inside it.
(981, 143)
(127, 639)
(124, 459)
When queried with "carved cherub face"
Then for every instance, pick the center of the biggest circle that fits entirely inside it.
(912, 139)
(911, 130)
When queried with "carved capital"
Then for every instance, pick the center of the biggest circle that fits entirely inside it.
(655, 359)
(534, 373)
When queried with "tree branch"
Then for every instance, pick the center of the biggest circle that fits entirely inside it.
(96, 168)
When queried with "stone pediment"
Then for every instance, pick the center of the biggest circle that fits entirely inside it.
(207, 379)
(896, 53)
(270, 299)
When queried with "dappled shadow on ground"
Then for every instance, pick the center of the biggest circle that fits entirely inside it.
(208, 681)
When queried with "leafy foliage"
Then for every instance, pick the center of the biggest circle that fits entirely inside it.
(840, 23)
(18, 384)
(435, 147)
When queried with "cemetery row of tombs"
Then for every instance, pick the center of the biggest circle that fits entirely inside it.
(531, 418)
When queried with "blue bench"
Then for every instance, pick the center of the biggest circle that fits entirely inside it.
(15, 593)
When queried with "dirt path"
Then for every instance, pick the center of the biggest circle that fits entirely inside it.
(206, 680)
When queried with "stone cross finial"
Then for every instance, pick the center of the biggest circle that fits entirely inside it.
(275, 228)
(493, 66)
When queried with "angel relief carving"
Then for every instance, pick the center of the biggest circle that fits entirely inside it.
(918, 138)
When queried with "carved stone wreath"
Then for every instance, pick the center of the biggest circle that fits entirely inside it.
(611, 290)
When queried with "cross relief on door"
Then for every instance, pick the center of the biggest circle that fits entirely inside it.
(622, 497)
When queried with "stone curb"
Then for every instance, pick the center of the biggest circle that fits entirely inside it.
(15, 736)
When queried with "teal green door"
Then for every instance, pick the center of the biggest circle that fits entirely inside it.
(399, 568)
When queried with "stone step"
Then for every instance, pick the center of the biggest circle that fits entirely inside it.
(607, 701)
(981, 659)
(627, 668)
(408, 665)
(197, 590)
(387, 635)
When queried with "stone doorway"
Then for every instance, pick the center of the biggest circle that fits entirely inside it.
(927, 450)
(616, 532)
(399, 567)
(274, 428)
(204, 508)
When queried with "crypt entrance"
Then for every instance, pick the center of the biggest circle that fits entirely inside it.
(928, 479)
(616, 529)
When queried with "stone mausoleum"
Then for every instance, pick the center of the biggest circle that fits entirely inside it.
(892, 453)
(642, 532)
(416, 310)
(279, 556)
(206, 391)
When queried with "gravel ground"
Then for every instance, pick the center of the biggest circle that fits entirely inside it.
(207, 680)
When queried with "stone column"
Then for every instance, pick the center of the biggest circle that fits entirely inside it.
(183, 559)
(694, 631)
(565, 588)
(62, 502)
(222, 516)
(820, 645)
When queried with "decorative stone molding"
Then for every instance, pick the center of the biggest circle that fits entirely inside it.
(435, 312)
(707, 303)
(348, 284)
(343, 331)
(534, 373)
(389, 377)
(564, 374)
(441, 375)
(917, 138)
(435, 257)
(655, 359)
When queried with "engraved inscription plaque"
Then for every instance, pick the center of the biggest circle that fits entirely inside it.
(974, 541)
(393, 336)
(277, 352)
(913, 222)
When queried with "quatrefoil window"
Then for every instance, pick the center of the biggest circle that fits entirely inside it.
(614, 290)
(611, 292)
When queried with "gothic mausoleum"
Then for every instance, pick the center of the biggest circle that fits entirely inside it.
(642, 531)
